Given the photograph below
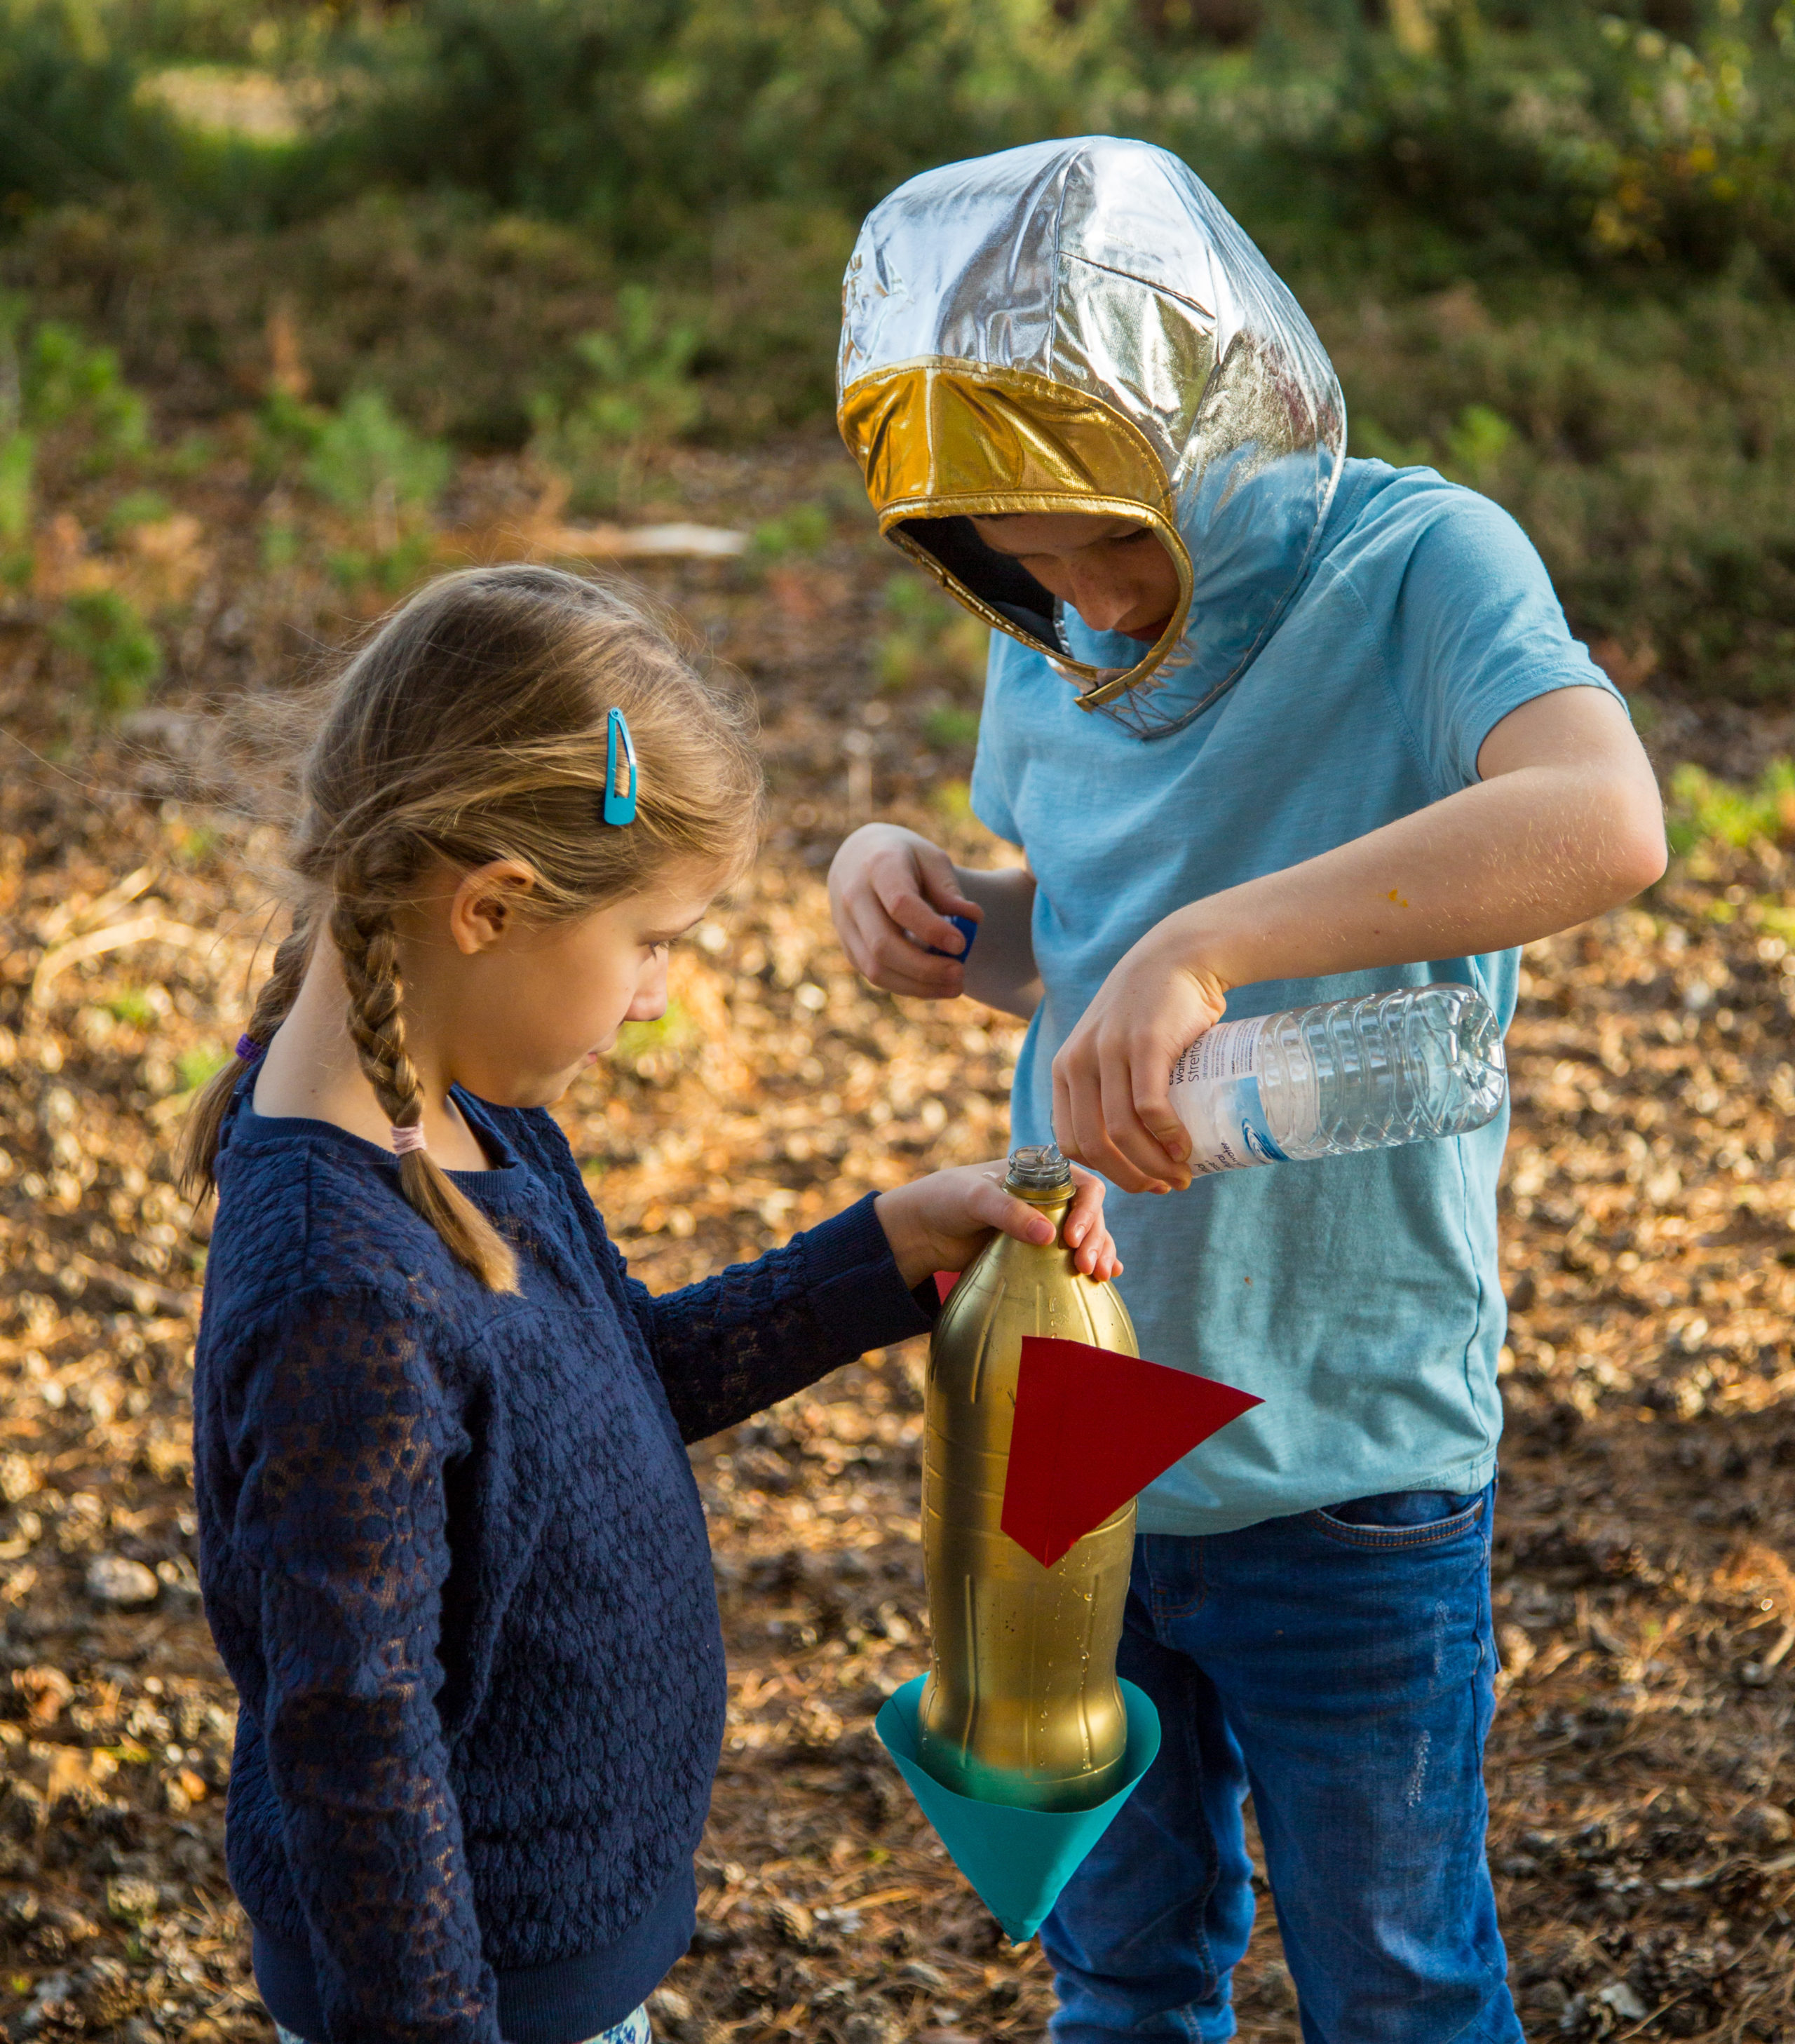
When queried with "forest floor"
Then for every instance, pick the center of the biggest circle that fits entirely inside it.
(1640, 1779)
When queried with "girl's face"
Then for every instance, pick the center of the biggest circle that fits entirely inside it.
(520, 1009)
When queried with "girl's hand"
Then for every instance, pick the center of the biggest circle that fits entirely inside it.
(940, 1223)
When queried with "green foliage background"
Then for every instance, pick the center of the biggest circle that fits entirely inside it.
(1552, 246)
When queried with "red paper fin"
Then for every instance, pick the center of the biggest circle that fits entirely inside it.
(1092, 1429)
(945, 1281)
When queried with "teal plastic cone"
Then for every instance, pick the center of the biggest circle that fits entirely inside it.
(1018, 1860)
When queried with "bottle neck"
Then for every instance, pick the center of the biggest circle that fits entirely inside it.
(1054, 1202)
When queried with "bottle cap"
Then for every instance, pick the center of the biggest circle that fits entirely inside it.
(967, 928)
(1038, 1167)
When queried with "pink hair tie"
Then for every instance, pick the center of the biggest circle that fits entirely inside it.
(405, 1140)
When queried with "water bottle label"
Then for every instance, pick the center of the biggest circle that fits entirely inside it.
(1216, 1094)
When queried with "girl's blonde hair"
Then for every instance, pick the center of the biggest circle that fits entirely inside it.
(473, 727)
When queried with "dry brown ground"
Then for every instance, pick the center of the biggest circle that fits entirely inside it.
(1645, 1852)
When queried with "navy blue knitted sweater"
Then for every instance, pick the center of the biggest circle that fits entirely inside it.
(455, 1560)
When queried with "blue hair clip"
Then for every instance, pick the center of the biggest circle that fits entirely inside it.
(967, 929)
(619, 771)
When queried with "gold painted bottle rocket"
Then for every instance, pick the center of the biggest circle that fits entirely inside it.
(1021, 1706)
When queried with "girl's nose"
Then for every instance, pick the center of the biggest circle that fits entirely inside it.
(650, 1003)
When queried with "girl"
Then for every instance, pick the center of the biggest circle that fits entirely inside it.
(452, 1552)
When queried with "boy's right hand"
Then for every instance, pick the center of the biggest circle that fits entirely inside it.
(891, 892)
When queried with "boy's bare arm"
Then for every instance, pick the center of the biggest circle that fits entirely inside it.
(1565, 822)
(891, 892)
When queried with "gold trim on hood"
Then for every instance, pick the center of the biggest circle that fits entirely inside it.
(938, 439)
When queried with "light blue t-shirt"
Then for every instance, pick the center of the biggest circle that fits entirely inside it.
(1358, 1296)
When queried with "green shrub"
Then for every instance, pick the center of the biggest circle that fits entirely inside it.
(804, 529)
(949, 726)
(281, 543)
(72, 125)
(190, 456)
(1562, 133)
(391, 569)
(667, 1032)
(643, 118)
(135, 508)
(1705, 809)
(639, 209)
(1647, 445)
(953, 800)
(638, 390)
(1586, 141)
(66, 382)
(132, 1007)
(194, 843)
(122, 656)
(928, 634)
(17, 458)
(194, 1066)
(368, 462)
(1565, 134)
(18, 448)
(289, 425)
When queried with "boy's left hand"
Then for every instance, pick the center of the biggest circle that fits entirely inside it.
(940, 1223)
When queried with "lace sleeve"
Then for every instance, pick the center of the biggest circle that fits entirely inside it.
(759, 1331)
(345, 1435)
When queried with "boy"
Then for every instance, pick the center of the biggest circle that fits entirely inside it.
(1272, 727)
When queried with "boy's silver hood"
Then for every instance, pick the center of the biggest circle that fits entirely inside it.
(1080, 326)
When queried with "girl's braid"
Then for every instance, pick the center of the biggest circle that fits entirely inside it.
(292, 955)
(368, 946)
(361, 927)
(199, 1143)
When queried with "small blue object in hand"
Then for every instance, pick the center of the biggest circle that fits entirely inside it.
(967, 929)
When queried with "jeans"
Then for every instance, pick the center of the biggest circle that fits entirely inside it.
(1339, 1666)
(632, 2030)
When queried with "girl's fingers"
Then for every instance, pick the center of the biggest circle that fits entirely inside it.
(1085, 1231)
(986, 1204)
(1084, 1223)
(972, 1200)
(1026, 1223)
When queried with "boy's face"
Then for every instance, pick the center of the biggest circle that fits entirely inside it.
(1114, 572)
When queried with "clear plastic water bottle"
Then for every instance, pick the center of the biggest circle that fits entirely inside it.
(1342, 1076)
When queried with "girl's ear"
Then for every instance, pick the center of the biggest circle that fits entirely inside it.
(485, 904)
